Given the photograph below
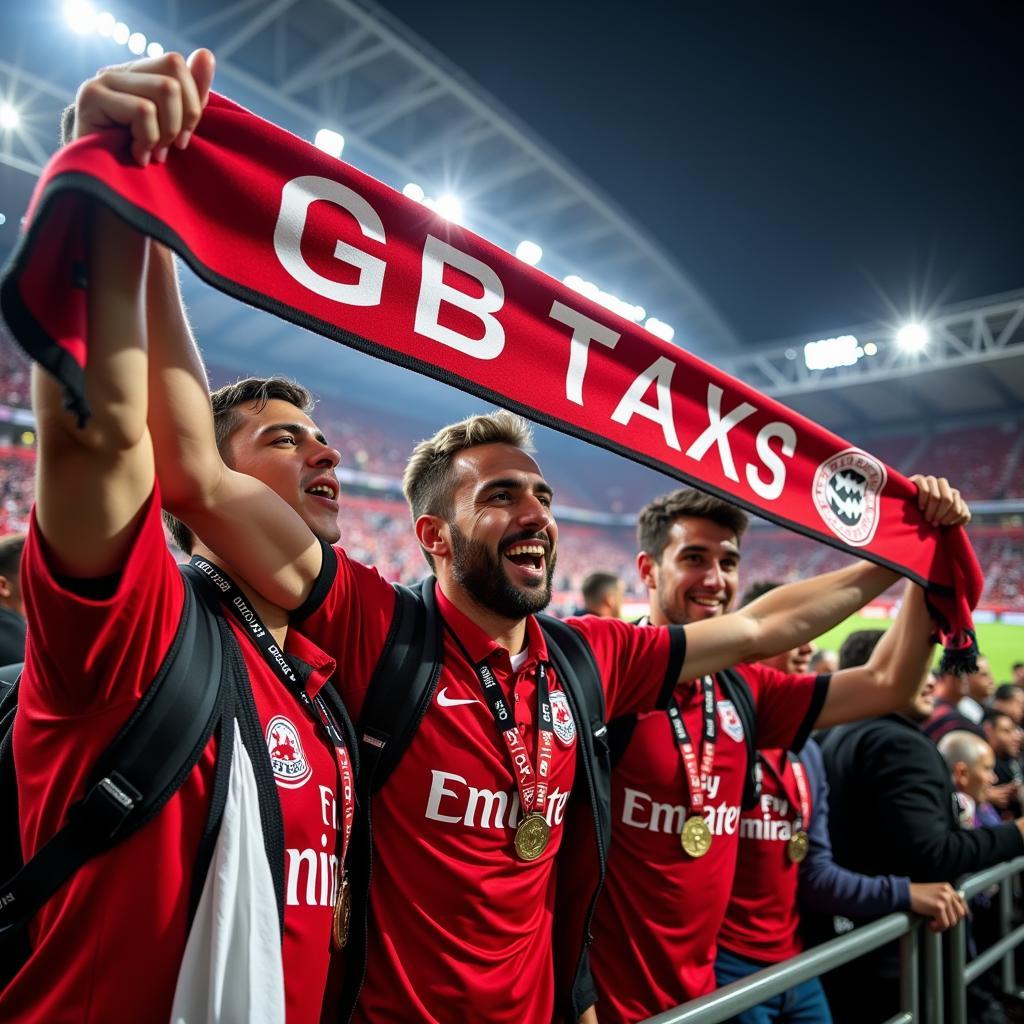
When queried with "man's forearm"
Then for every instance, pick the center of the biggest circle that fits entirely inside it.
(798, 612)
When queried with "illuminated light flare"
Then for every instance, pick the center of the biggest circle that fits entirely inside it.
(330, 141)
(80, 16)
(414, 192)
(9, 117)
(529, 252)
(912, 337)
(137, 44)
(449, 207)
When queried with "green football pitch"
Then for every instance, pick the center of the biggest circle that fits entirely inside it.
(1000, 643)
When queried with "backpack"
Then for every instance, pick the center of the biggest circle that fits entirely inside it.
(201, 686)
(400, 691)
(733, 687)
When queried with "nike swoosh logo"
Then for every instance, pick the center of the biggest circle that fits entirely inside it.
(452, 702)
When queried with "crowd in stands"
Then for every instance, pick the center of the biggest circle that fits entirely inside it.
(376, 530)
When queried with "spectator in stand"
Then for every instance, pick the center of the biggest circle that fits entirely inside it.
(12, 608)
(1009, 698)
(602, 595)
(1018, 673)
(977, 692)
(971, 763)
(823, 661)
(1004, 737)
(785, 852)
(894, 810)
(950, 689)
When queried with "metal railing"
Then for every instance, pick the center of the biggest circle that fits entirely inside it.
(726, 1002)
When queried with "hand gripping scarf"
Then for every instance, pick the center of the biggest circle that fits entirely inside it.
(273, 221)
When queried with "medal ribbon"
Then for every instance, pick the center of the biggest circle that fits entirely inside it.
(252, 625)
(803, 803)
(532, 783)
(696, 776)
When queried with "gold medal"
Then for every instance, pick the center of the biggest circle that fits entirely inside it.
(696, 836)
(532, 835)
(342, 915)
(797, 846)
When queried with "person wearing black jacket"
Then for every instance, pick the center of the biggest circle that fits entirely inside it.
(894, 812)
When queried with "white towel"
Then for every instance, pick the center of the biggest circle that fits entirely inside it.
(232, 971)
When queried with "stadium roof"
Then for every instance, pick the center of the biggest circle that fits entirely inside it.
(406, 114)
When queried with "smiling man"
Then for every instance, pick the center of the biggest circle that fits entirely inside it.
(657, 922)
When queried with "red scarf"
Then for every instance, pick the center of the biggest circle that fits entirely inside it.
(270, 219)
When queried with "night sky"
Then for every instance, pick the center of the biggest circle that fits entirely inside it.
(810, 165)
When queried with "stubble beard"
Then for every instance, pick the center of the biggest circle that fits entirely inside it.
(482, 575)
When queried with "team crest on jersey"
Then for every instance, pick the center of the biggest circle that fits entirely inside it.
(730, 719)
(561, 718)
(287, 759)
(847, 489)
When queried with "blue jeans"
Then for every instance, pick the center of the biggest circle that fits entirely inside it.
(804, 1004)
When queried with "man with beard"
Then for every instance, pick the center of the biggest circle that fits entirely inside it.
(894, 811)
(657, 921)
(460, 919)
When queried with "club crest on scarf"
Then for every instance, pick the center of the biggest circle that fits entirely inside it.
(561, 718)
(730, 719)
(287, 759)
(846, 489)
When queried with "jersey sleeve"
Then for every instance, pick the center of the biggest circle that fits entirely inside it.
(348, 615)
(91, 648)
(787, 705)
(635, 662)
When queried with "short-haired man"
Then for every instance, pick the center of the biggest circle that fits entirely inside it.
(1004, 737)
(894, 810)
(457, 916)
(1018, 673)
(657, 922)
(104, 598)
(824, 661)
(12, 606)
(1009, 698)
(971, 762)
(950, 693)
(602, 593)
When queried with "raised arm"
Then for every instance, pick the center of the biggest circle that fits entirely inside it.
(159, 102)
(236, 515)
(796, 613)
(93, 481)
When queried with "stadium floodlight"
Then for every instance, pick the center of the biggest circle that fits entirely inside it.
(912, 337)
(9, 117)
(414, 192)
(449, 207)
(137, 43)
(121, 33)
(660, 329)
(529, 252)
(154, 50)
(829, 353)
(331, 142)
(105, 23)
(80, 16)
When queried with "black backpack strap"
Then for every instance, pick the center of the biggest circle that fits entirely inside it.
(402, 685)
(735, 688)
(573, 659)
(138, 773)
(620, 730)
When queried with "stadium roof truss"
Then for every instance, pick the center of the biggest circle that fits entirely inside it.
(983, 332)
(407, 115)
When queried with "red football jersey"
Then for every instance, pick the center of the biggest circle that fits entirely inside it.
(762, 921)
(108, 945)
(460, 927)
(657, 921)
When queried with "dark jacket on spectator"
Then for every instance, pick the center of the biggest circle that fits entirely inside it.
(946, 718)
(893, 806)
